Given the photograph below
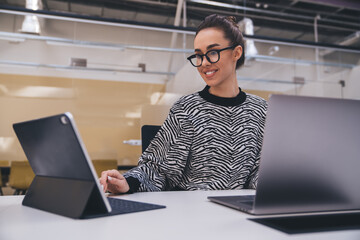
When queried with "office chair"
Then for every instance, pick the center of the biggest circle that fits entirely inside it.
(21, 176)
(148, 132)
(3, 163)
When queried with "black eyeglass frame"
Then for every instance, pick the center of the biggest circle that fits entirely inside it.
(206, 55)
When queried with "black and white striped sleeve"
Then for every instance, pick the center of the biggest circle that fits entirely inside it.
(163, 163)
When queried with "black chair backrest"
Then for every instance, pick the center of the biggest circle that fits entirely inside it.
(148, 132)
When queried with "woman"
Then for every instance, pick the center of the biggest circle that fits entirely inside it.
(211, 139)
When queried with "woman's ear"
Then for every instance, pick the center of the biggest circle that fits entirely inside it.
(238, 51)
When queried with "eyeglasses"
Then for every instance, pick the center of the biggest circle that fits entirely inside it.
(213, 56)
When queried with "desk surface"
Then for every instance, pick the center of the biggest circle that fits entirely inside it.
(189, 215)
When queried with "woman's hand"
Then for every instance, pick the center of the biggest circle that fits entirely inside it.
(114, 182)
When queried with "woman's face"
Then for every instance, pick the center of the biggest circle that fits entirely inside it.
(222, 72)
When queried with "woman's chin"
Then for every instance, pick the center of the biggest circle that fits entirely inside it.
(210, 82)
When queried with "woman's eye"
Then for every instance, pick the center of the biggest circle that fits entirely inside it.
(212, 53)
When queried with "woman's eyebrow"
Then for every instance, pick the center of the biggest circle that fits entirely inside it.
(208, 47)
(212, 45)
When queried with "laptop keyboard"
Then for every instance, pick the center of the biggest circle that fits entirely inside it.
(244, 202)
(121, 206)
(241, 199)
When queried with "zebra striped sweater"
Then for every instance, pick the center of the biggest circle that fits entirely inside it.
(206, 142)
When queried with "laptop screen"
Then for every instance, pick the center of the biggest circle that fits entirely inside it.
(55, 140)
(311, 155)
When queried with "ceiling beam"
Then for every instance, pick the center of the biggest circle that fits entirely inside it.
(349, 4)
(147, 26)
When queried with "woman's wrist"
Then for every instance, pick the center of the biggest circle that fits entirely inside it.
(133, 183)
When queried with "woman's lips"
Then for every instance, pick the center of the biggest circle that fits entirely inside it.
(210, 73)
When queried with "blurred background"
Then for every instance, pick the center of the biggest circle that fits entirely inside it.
(118, 65)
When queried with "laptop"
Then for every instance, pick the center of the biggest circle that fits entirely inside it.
(310, 159)
(65, 180)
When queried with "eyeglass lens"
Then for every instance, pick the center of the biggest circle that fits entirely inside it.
(212, 57)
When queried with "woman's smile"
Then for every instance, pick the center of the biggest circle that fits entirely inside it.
(210, 73)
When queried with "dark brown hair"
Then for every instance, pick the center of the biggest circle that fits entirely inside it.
(230, 29)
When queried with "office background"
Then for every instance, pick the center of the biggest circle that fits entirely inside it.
(117, 65)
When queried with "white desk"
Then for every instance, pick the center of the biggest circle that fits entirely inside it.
(188, 216)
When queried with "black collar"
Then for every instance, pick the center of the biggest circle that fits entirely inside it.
(233, 101)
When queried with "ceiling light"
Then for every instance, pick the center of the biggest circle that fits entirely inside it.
(31, 23)
(247, 27)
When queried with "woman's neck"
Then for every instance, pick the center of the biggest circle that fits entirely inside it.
(225, 90)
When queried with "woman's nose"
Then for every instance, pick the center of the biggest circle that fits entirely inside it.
(206, 62)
